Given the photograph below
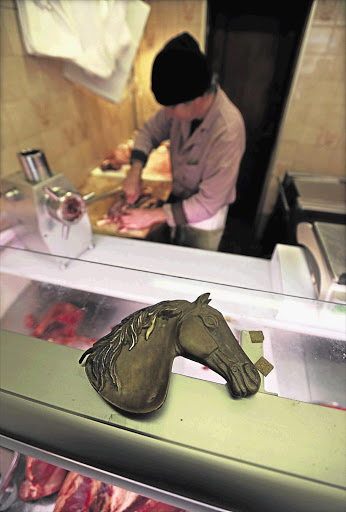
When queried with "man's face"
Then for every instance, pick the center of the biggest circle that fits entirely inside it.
(182, 111)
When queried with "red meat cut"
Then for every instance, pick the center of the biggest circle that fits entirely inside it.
(76, 493)
(59, 325)
(62, 315)
(119, 206)
(149, 505)
(110, 498)
(41, 479)
(118, 157)
(81, 494)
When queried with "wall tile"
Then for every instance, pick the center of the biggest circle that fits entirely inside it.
(337, 161)
(44, 108)
(326, 12)
(35, 80)
(35, 141)
(8, 159)
(341, 13)
(5, 45)
(337, 41)
(13, 79)
(323, 127)
(311, 158)
(319, 38)
(295, 122)
(75, 164)
(11, 41)
(52, 70)
(70, 133)
(23, 117)
(286, 152)
(327, 68)
(190, 13)
(53, 143)
(340, 96)
(7, 130)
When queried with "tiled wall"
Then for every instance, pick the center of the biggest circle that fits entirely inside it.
(41, 109)
(313, 132)
(74, 127)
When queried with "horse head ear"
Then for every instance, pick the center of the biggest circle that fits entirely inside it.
(203, 299)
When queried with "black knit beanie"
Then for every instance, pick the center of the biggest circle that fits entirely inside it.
(180, 71)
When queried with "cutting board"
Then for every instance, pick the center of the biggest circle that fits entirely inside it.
(103, 184)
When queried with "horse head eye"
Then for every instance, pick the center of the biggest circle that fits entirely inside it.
(210, 321)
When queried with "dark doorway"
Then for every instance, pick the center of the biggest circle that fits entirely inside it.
(253, 47)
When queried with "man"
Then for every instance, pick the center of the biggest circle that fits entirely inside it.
(207, 142)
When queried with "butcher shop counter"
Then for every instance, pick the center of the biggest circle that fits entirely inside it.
(281, 449)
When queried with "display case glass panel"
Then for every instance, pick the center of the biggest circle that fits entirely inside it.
(200, 429)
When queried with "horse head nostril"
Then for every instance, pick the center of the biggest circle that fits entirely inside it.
(253, 380)
(252, 372)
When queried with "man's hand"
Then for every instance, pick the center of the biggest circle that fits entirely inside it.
(132, 183)
(142, 218)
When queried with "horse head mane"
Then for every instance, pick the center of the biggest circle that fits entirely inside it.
(103, 354)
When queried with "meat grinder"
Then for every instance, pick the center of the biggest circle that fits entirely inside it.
(43, 210)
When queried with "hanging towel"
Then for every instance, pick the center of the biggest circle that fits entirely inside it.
(114, 87)
(93, 34)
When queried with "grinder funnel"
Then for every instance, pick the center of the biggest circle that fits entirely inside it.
(34, 164)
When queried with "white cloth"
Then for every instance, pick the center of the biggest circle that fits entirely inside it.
(93, 34)
(216, 221)
(113, 88)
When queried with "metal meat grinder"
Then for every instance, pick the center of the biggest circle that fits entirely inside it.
(44, 210)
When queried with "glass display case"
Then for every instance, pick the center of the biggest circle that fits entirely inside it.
(281, 449)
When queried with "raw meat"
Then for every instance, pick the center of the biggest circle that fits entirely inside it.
(41, 479)
(62, 315)
(158, 163)
(29, 321)
(118, 157)
(116, 209)
(145, 200)
(101, 501)
(80, 494)
(77, 493)
(59, 325)
(114, 499)
(150, 505)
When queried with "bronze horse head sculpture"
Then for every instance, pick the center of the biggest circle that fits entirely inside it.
(136, 380)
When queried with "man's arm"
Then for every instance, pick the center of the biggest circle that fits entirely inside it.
(132, 182)
(142, 218)
(154, 131)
